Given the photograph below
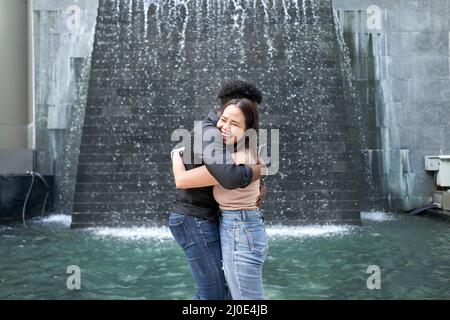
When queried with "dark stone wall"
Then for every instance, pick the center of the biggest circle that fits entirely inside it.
(157, 68)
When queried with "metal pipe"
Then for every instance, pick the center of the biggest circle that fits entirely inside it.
(26, 201)
(47, 187)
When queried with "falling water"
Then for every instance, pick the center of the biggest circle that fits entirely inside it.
(156, 67)
(358, 120)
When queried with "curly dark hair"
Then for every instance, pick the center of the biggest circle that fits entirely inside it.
(237, 89)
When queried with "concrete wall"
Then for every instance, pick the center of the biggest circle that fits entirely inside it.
(400, 69)
(14, 104)
(63, 37)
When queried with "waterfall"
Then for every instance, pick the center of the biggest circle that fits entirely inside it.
(157, 66)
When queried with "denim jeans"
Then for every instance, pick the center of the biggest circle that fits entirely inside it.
(244, 249)
(200, 241)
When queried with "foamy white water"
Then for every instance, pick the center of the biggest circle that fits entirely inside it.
(163, 233)
(377, 216)
(136, 233)
(63, 219)
(308, 231)
(277, 231)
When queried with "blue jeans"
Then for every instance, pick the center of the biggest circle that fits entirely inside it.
(200, 241)
(244, 248)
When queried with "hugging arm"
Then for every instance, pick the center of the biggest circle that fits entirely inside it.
(226, 173)
(194, 178)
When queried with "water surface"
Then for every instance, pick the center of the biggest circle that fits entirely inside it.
(308, 262)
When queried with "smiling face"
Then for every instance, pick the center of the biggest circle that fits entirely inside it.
(232, 124)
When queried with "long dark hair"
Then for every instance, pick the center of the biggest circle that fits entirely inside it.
(251, 115)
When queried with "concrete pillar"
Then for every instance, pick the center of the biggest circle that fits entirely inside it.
(31, 104)
(14, 85)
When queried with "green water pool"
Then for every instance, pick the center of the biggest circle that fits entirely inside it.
(306, 262)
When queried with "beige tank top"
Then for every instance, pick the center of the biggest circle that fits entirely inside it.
(241, 198)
